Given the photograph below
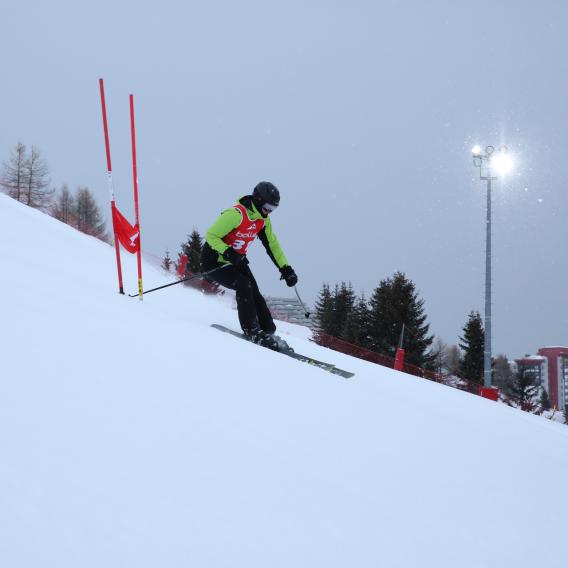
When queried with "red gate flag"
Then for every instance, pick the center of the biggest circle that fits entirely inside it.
(128, 235)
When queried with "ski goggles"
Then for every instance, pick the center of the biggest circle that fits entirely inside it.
(269, 207)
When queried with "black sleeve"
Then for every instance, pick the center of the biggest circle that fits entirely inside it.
(264, 240)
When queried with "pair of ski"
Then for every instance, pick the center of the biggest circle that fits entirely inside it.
(329, 367)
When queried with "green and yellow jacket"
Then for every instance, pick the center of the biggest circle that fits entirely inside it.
(230, 219)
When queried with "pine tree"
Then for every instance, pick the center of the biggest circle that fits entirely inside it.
(36, 185)
(167, 262)
(13, 177)
(544, 400)
(472, 344)
(522, 391)
(357, 323)
(87, 214)
(343, 302)
(384, 327)
(192, 250)
(393, 303)
(64, 206)
(324, 310)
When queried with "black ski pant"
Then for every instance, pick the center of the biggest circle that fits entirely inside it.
(251, 305)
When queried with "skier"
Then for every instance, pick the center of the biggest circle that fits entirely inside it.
(227, 241)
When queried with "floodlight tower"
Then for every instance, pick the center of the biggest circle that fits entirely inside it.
(491, 164)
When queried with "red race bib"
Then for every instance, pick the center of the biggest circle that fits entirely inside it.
(241, 237)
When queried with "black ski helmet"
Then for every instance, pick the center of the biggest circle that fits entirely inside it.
(266, 193)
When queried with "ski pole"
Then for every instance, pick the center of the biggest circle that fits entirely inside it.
(306, 311)
(182, 280)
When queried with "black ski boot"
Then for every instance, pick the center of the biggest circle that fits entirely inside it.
(263, 338)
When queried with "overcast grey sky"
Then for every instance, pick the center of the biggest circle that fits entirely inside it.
(362, 113)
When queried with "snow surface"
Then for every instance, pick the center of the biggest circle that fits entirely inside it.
(133, 434)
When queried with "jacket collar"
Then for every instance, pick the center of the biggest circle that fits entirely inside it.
(246, 201)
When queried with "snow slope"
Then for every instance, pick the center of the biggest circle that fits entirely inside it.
(133, 434)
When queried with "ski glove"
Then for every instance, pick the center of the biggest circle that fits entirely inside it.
(234, 257)
(289, 275)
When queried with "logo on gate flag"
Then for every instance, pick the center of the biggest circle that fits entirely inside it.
(128, 235)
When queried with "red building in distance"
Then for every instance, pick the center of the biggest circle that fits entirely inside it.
(550, 370)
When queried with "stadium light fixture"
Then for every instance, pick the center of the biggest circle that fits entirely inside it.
(502, 163)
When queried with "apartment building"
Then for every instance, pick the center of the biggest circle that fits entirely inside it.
(550, 370)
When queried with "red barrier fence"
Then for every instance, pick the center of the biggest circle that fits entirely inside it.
(343, 346)
(453, 381)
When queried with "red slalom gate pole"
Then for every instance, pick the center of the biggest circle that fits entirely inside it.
(111, 186)
(136, 209)
(399, 355)
(399, 360)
